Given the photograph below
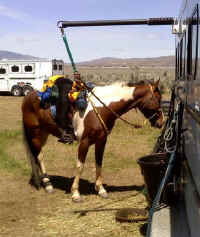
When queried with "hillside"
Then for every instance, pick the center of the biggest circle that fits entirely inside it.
(12, 55)
(163, 61)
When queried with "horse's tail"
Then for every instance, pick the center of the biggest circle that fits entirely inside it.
(31, 156)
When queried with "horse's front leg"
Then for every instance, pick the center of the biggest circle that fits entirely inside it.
(82, 153)
(99, 150)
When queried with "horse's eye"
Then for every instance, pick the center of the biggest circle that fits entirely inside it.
(159, 112)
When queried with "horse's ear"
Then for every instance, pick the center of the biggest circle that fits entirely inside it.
(156, 83)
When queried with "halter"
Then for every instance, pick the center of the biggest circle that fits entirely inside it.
(159, 110)
(151, 117)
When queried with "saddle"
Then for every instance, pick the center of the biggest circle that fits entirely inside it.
(77, 98)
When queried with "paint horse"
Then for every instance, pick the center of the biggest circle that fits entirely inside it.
(91, 126)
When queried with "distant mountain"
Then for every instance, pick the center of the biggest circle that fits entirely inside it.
(166, 61)
(11, 55)
(163, 61)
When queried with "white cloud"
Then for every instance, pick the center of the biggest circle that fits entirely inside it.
(11, 13)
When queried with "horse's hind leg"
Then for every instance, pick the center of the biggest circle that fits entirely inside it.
(44, 177)
(35, 176)
(36, 144)
(99, 150)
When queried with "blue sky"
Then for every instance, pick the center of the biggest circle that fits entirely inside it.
(29, 27)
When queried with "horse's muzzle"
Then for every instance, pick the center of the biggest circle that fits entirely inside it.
(159, 124)
(159, 121)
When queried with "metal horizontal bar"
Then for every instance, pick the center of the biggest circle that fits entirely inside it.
(150, 21)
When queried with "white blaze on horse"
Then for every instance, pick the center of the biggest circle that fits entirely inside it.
(91, 126)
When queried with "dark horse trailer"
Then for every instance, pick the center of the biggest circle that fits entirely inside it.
(182, 216)
(188, 92)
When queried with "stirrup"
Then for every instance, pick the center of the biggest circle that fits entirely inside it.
(67, 138)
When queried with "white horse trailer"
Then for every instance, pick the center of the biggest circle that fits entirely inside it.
(19, 77)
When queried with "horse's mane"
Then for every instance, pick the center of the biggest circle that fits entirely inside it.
(142, 82)
(65, 80)
(131, 83)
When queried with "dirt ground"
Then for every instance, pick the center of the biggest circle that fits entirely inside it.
(25, 211)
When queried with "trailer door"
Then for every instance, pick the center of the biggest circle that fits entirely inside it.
(4, 84)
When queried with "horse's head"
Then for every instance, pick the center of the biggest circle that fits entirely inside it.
(149, 104)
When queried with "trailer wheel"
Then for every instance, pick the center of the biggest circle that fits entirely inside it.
(16, 91)
(27, 90)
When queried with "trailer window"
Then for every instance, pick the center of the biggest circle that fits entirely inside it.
(176, 66)
(28, 68)
(2, 71)
(60, 67)
(181, 59)
(177, 62)
(194, 42)
(15, 68)
(55, 67)
(198, 51)
(184, 55)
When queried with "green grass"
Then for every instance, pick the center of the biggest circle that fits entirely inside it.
(9, 138)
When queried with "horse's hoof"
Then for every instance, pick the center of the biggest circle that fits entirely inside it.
(34, 182)
(49, 189)
(103, 194)
(77, 199)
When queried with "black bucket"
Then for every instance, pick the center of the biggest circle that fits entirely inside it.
(153, 168)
